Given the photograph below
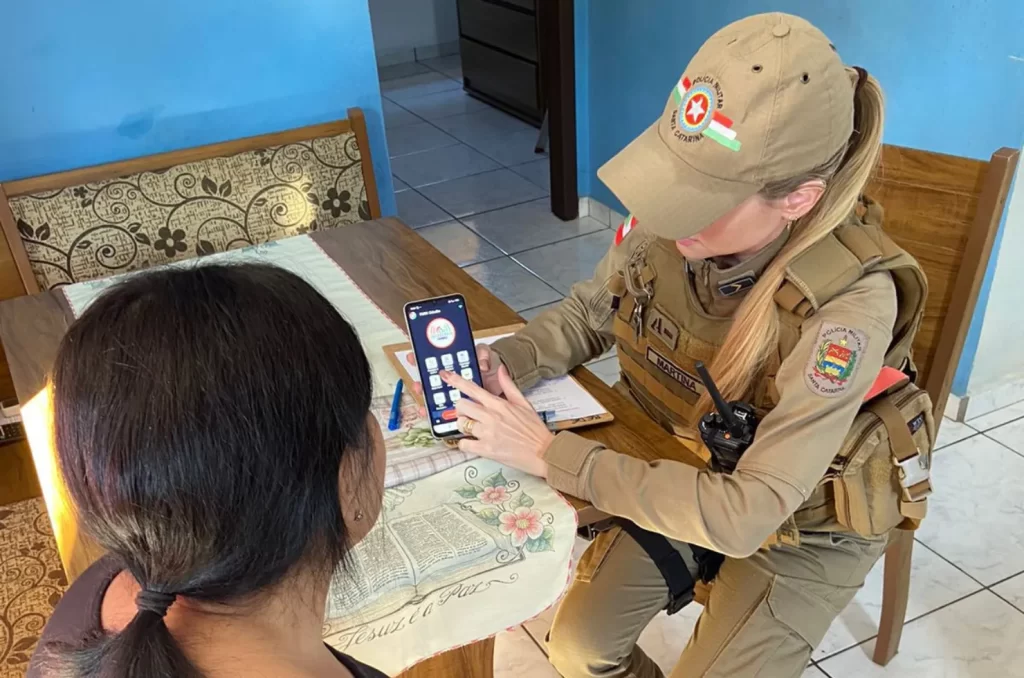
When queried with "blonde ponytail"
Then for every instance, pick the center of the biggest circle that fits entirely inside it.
(755, 329)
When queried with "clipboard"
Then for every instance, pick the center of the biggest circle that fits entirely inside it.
(392, 352)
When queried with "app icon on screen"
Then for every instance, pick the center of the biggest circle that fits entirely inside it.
(441, 333)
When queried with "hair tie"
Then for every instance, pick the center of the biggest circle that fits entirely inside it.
(862, 77)
(156, 602)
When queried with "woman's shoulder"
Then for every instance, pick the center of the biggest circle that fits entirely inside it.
(77, 614)
(872, 296)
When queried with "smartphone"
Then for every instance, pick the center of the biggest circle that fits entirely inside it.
(442, 340)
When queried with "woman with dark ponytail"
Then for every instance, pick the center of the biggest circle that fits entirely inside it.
(212, 426)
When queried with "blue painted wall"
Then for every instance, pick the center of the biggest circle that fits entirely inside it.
(85, 83)
(953, 73)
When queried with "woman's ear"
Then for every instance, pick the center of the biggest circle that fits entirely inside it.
(361, 483)
(802, 200)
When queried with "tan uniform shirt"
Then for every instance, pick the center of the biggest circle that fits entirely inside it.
(795, 443)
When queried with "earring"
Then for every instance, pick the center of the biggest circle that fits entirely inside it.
(359, 516)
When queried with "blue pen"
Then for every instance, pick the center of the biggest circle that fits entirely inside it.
(396, 408)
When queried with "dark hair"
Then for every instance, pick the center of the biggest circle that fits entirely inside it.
(200, 418)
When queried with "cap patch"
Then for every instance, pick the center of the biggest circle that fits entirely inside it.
(628, 225)
(699, 114)
(831, 367)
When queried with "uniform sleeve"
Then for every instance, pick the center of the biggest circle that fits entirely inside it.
(794, 445)
(575, 331)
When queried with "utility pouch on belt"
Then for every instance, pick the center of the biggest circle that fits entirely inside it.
(881, 477)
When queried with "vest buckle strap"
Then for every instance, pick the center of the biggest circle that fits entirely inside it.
(914, 476)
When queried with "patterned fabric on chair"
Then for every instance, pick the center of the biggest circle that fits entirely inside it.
(130, 223)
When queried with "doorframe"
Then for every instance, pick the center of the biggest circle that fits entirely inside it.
(558, 64)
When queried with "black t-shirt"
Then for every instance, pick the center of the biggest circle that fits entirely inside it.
(78, 614)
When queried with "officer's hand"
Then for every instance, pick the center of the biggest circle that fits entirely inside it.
(506, 430)
(489, 364)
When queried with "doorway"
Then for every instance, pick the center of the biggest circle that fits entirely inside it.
(479, 105)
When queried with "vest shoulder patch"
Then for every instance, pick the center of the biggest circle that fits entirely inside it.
(624, 229)
(834, 361)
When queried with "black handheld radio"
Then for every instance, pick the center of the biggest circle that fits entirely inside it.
(727, 432)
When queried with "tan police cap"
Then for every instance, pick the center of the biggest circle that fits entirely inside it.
(765, 98)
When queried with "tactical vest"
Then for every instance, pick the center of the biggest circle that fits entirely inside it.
(879, 479)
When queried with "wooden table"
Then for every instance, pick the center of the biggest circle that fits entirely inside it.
(392, 264)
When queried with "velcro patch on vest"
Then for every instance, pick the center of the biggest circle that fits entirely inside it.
(674, 372)
(731, 288)
(663, 327)
(834, 362)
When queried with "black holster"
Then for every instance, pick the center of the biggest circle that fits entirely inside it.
(672, 565)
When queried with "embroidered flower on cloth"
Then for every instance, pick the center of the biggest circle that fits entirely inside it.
(494, 495)
(522, 524)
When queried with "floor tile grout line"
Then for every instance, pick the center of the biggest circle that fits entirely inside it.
(482, 261)
(1002, 444)
(428, 150)
(818, 666)
(950, 562)
(942, 607)
(539, 155)
(1005, 579)
(425, 65)
(922, 616)
(464, 176)
(475, 214)
(993, 428)
(957, 442)
(529, 249)
(467, 216)
(573, 237)
(1007, 601)
(545, 282)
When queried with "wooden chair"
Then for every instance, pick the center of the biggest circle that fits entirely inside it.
(125, 216)
(944, 210)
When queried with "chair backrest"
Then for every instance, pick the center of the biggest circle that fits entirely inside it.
(944, 210)
(126, 216)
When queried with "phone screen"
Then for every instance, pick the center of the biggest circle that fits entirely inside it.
(442, 340)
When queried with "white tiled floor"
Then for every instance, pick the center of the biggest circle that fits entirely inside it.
(966, 610)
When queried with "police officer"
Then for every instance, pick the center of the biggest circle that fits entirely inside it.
(750, 248)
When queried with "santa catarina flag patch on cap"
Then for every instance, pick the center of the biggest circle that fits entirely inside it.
(698, 112)
(628, 225)
(834, 362)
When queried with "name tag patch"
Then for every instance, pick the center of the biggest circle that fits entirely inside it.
(675, 373)
(663, 327)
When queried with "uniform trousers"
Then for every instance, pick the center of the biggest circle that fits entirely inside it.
(764, 615)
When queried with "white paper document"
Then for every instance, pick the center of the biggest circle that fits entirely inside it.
(563, 395)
